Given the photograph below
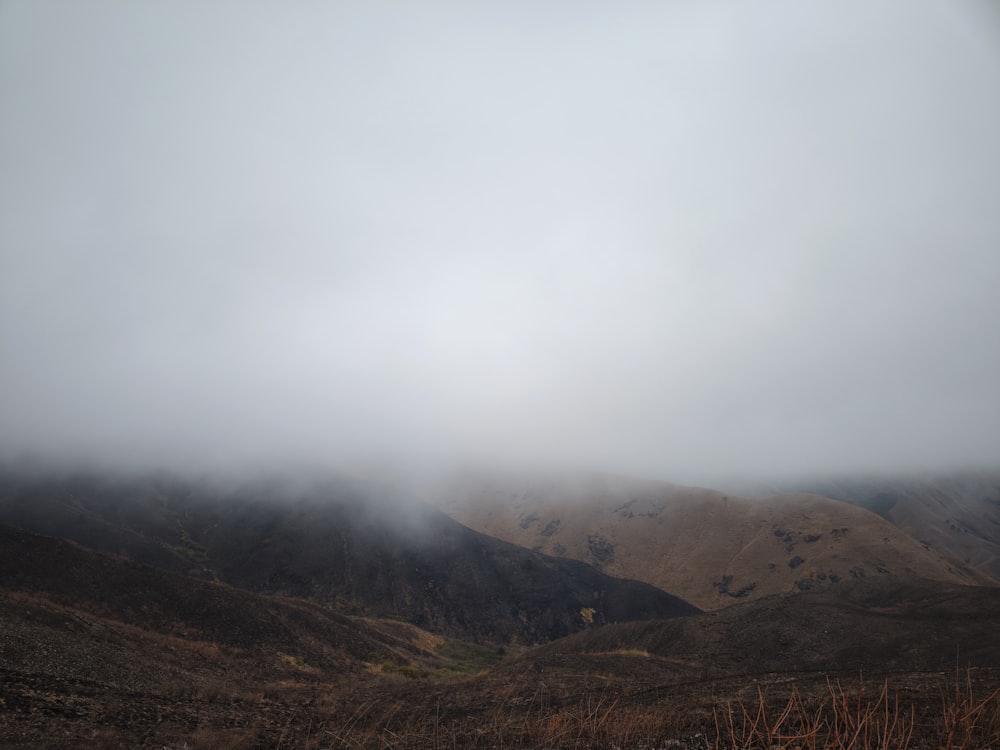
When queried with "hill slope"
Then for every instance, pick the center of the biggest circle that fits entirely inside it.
(350, 545)
(956, 513)
(871, 625)
(58, 583)
(708, 547)
(98, 651)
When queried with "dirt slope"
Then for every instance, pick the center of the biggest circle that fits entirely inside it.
(708, 547)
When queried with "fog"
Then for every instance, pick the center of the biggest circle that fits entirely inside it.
(674, 239)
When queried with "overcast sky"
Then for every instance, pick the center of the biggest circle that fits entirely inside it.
(670, 238)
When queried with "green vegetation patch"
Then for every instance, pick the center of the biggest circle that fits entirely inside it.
(469, 658)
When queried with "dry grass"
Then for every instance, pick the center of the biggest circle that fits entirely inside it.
(840, 720)
(598, 724)
(861, 715)
(851, 719)
(906, 713)
(968, 721)
(835, 717)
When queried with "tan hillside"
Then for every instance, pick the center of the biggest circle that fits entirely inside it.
(707, 547)
(958, 513)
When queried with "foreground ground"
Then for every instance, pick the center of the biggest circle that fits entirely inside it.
(514, 710)
(71, 679)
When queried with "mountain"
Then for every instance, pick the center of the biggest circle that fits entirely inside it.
(957, 513)
(352, 546)
(711, 548)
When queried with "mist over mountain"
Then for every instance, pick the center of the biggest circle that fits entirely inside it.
(671, 240)
(273, 274)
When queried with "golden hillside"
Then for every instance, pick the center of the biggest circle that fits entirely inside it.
(707, 547)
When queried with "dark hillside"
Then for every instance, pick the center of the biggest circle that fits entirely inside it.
(60, 575)
(350, 545)
(879, 625)
(98, 651)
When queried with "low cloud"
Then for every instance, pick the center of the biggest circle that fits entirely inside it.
(676, 241)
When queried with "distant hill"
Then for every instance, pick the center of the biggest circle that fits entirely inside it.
(956, 513)
(354, 546)
(711, 548)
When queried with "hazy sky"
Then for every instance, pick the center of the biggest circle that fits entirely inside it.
(672, 238)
